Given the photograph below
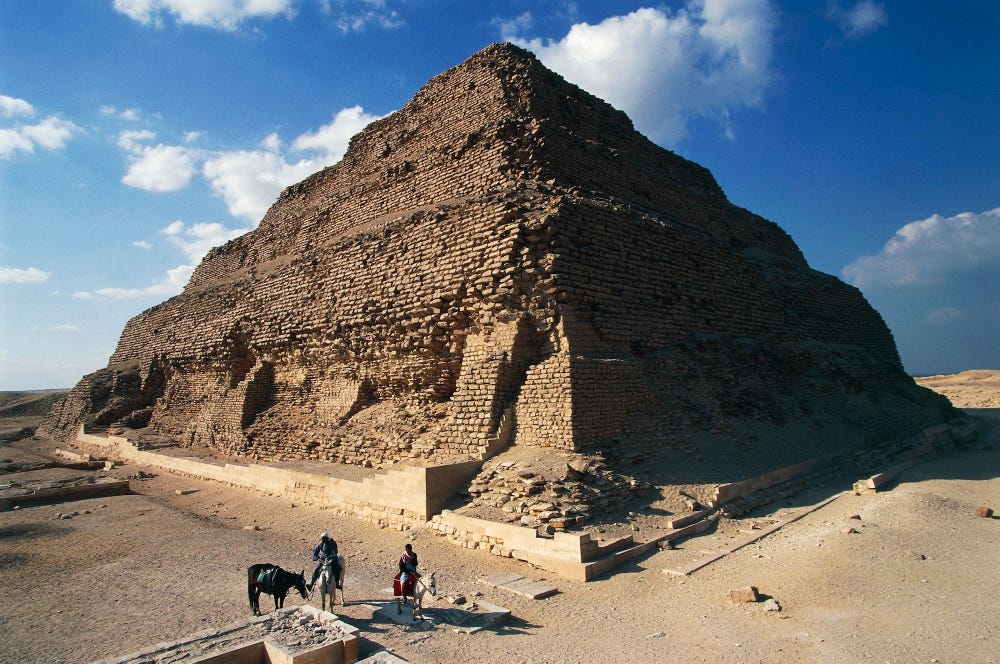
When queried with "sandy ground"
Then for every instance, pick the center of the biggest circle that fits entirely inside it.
(916, 582)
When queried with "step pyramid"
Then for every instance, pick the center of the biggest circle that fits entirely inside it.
(504, 242)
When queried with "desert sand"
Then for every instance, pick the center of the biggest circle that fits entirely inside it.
(904, 575)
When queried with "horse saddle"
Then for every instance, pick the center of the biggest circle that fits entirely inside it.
(266, 577)
(398, 590)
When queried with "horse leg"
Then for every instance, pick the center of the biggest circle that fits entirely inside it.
(255, 601)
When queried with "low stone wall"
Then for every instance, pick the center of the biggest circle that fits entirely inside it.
(417, 496)
(405, 497)
(292, 635)
(563, 554)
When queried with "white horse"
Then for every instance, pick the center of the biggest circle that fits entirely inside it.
(327, 584)
(421, 587)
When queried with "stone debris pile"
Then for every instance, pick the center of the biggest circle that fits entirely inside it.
(560, 491)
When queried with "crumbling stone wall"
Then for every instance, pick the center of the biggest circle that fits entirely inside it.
(503, 240)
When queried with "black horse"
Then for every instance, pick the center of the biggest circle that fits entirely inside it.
(271, 579)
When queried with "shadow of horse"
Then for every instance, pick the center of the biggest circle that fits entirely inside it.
(274, 581)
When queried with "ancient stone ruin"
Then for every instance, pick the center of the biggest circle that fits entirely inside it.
(506, 260)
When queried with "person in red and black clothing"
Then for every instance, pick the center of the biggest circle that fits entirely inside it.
(408, 565)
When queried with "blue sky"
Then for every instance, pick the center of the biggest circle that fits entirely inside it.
(136, 134)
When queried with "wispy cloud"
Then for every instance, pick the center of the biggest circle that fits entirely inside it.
(356, 16)
(50, 133)
(512, 27)
(944, 314)
(663, 67)
(858, 20)
(65, 328)
(230, 15)
(128, 114)
(16, 275)
(193, 241)
(196, 240)
(218, 14)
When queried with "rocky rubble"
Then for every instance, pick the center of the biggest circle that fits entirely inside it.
(550, 491)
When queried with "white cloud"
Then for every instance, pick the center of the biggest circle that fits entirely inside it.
(50, 133)
(249, 181)
(15, 275)
(12, 141)
(932, 252)
(936, 284)
(160, 168)
(863, 18)
(707, 58)
(218, 14)
(12, 106)
(142, 244)
(174, 228)
(331, 139)
(65, 328)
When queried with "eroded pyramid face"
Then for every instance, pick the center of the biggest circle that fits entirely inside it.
(504, 260)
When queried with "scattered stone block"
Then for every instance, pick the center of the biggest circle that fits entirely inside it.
(984, 512)
(185, 492)
(745, 595)
(772, 605)
(526, 587)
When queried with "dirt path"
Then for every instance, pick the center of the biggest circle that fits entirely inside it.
(916, 582)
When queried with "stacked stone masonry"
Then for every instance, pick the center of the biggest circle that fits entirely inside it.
(504, 241)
